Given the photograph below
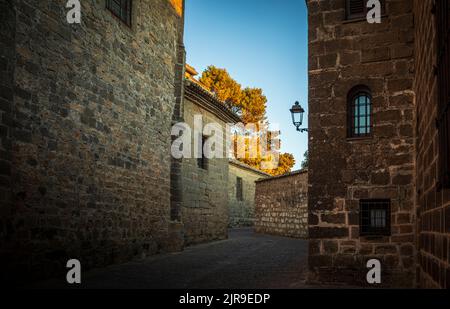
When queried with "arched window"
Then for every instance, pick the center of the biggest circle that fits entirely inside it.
(359, 112)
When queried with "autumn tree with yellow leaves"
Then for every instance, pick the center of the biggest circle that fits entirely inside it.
(251, 104)
(219, 82)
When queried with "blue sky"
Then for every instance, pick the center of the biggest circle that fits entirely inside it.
(262, 43)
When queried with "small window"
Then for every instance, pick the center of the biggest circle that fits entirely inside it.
(239, 189)
(202, 162)
(375, 217)
(121, 9)
(443, 76)
(359, 112)
(356, 9)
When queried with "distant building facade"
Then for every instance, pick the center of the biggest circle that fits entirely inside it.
(205, 213)
(241, 193)
(281, 205)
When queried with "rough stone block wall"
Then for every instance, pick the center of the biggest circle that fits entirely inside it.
(342, 171)
(90, 132)
(205, 198)
(281, 205)
(242, 213)
(433, 205)
(7, 66)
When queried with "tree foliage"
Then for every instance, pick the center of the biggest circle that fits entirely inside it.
(222, 85)
(252, 104)
(286, 162)
(305, 161)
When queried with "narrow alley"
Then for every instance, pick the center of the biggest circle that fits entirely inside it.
(245, 261)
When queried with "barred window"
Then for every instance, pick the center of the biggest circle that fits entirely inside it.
(356, 9)
(239, 189)
(375, 217)
(121, 9)
(443, 75)
(359, 112)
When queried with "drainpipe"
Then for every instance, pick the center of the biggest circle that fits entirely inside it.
(176, 229)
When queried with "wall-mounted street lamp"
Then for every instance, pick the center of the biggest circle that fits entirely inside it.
(297, 116)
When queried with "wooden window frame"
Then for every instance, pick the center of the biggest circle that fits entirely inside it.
(442, 15)
(126, 10)
(352, 113)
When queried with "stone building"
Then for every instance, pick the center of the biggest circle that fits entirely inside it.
(361, 167)
(204, 212)
(433, 141)
(241, 193)
(281, 205)
(378, 167)
(86, 113)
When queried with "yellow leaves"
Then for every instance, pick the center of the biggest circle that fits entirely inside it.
(250, 101)
(178, 6)
(252, 104)
(250, 150)
(221, 84)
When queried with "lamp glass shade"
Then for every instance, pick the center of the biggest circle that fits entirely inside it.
(297, 114)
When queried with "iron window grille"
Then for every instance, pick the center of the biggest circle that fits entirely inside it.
(239, 189)
(375, 217)
(357, 9)
(359, 112)
(442, 14)
(121, 9)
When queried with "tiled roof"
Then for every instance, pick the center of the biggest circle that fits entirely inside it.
(248, 167)
(209, 101)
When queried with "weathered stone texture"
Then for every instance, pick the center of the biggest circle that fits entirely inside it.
(89, 134)
(342, 55)
(7, 66)
(433, 205)
(205, 198)
(242, 212)
(281, 205)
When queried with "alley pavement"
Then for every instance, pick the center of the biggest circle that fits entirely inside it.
(244, 261)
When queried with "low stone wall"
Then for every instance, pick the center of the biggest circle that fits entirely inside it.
(281, 205)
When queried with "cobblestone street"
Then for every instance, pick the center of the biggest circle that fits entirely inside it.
(245, 261)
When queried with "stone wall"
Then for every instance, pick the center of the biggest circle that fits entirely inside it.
(89, 132)
(342, 171)
(242, 212)
(205, 197)
(433, 205)
(7, 66)
(281, 205)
